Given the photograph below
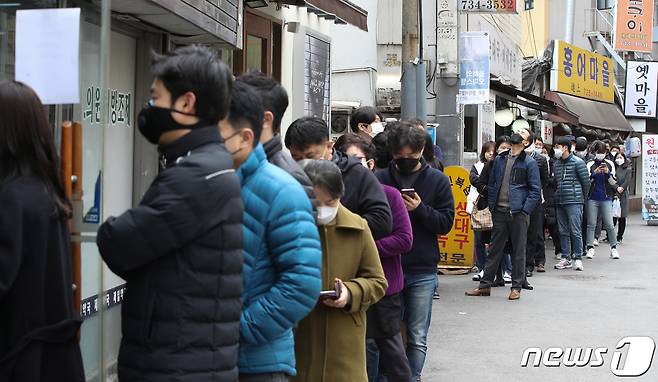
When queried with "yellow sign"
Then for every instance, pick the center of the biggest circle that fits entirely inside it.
(582, 73)
(458, 245)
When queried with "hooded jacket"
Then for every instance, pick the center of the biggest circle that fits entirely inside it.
(180, 252)
(364, 195)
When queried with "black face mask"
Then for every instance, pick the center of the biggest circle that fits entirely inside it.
(153, 121)
(406, 165)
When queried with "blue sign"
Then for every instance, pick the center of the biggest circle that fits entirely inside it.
(474, 68)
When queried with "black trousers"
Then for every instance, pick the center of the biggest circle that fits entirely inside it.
(385, 348)
(506, 225)
(555, 235)
(535, 249)
(622, 227)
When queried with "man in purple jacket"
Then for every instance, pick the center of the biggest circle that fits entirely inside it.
(386, 354)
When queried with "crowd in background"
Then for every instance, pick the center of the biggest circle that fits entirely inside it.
(246, 263)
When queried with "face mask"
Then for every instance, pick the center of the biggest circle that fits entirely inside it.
(614, 153)
(326, 214)
(153, 121)
(406, 165)
(234, 135)
(619, 161)
(377, 128)
(573, 148)
(558, 153)
(600, 157)
(530, 150)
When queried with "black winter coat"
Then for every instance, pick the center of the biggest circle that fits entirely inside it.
(38, 322)
(276, 156)
(180, 251)
(364, 195)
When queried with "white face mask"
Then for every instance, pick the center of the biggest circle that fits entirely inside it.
(558, 153)
(619, 161)
(326, 214)
(530, 150)
(600, 157)
(377, 128)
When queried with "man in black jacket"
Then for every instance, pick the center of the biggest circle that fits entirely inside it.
(308, 138)
(427, 196)
(180, 249)
(275, 102)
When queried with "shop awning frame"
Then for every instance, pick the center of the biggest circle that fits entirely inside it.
(534, 102)
(341, 11)
(593, 114)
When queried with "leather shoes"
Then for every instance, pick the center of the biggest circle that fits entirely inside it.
(515, 294)
(540, 268)
(527, 286)
(479, 292)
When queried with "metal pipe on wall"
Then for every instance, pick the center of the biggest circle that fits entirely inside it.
(571, 13)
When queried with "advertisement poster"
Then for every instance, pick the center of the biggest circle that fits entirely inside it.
(582, 73)
(641, 83)
(457, 247)
(473, 68)
(634, 25)
(650, 178)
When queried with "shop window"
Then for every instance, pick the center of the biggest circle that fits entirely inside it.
(257, 51)
(604, 4)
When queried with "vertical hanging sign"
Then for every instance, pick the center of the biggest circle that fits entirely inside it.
(474, 69)
(634, 25)
(640, 93)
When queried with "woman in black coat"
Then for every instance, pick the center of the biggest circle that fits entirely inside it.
(38, 322)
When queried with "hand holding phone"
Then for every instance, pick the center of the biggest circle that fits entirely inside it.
(343, 299)
(331, 294)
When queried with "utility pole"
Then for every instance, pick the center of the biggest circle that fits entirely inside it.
(410, 39)
(571, 14)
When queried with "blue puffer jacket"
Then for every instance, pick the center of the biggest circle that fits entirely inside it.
(282, 260)
(525, 183)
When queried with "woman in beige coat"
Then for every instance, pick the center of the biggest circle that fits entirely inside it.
(330, 342)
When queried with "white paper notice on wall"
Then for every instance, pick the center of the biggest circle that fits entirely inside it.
(47, 53)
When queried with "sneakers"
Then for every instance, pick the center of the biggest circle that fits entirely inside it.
(563, 264)
(590, 253)
(478, 276)
(507, 277)
(596, 242)
(578, 265)
(558, 256)
(614, 253)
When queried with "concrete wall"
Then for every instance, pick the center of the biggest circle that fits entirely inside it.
(535, 29)
(557, 16)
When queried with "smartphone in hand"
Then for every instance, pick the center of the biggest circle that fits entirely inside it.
(331, 294)
(408, 191)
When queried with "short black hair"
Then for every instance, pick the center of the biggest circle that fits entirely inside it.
(274, 96)
(486, 146)
(418, 122)
(538, 138)
(326, 175)
(350, 139)
(246, 107)
(406, 134)
(199, 70)
(564, 141)
(382, 154)
(364, 114)
(503, 139)
(306, 131)
(599, 147)
(581, 144)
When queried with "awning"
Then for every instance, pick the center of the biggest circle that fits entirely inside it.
(534, 102)
(341, 11)
(600, 115)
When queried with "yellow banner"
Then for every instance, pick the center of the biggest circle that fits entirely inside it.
(582, 73)
(457, 246)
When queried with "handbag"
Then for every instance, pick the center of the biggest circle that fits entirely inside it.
(481, 220)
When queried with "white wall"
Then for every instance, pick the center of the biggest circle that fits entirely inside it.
(557, 17)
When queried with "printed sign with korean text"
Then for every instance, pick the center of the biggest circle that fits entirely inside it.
(456, 248)
(488, 6)
(474, 70)
(650, 177)
(582, 73)
(640, 94)
(634, 25)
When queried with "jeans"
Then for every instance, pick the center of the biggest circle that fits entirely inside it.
(603, 209)
(507, 225)
(570, 220)
(417, 313)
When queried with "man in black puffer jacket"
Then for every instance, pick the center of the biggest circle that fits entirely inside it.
(180, 249)
(275, 101)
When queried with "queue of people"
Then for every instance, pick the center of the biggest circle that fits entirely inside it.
(245, 263)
